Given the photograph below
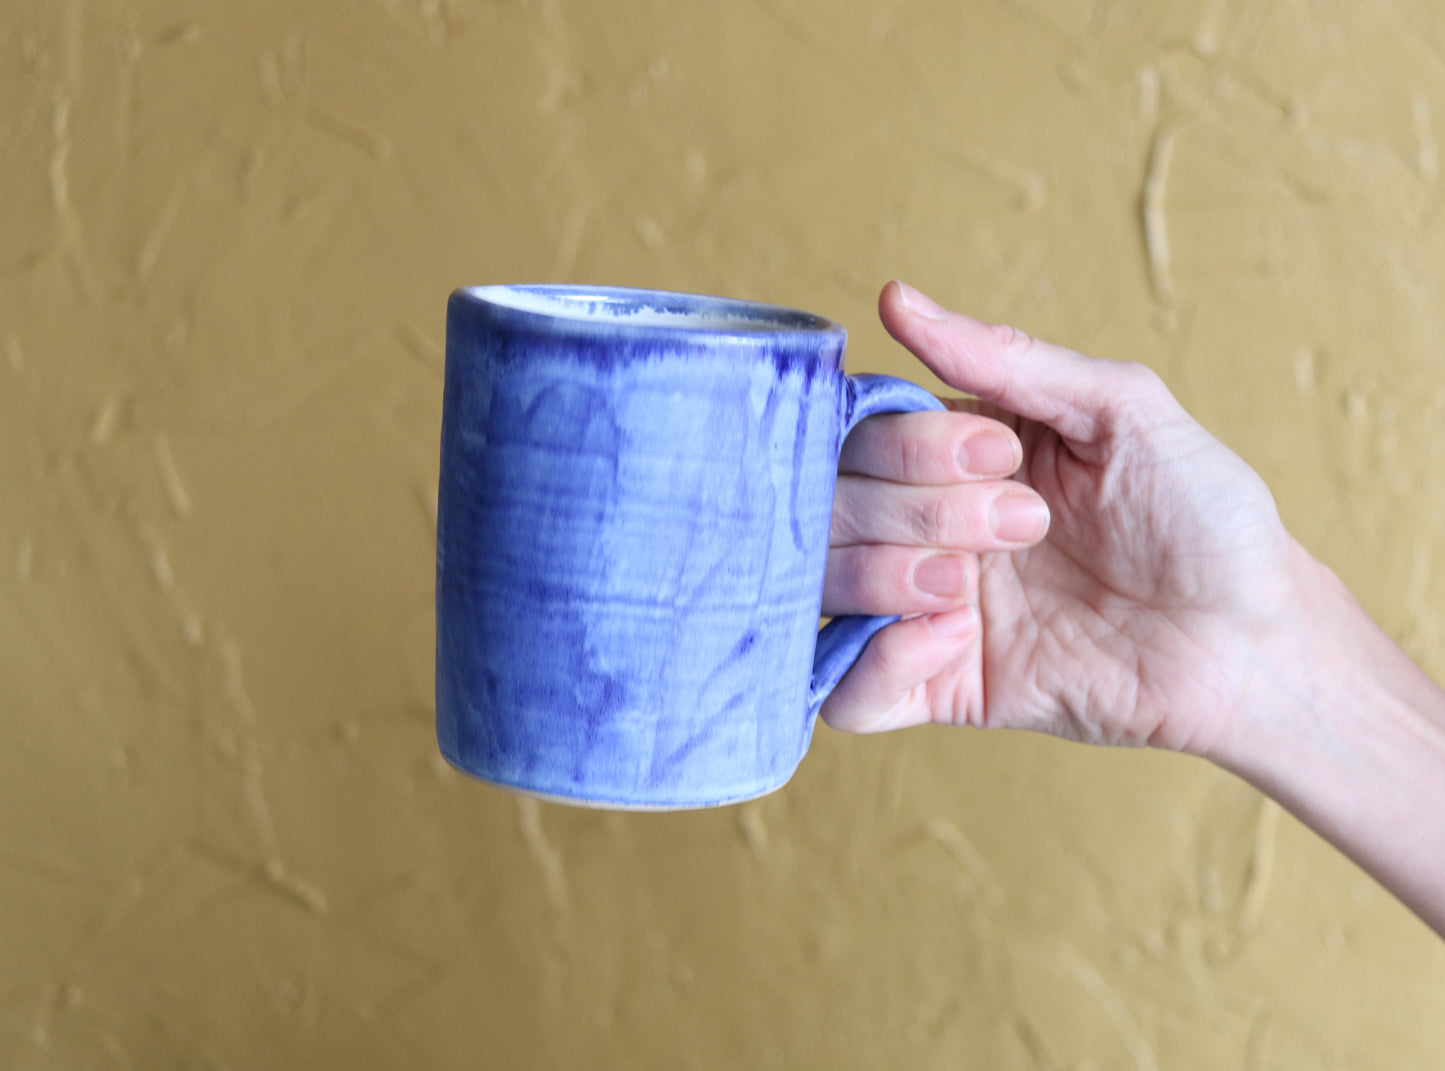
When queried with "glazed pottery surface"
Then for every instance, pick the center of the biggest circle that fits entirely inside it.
(635, 502)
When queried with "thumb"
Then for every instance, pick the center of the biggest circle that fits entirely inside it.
(1038, 380)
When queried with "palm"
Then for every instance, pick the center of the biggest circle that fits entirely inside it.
(1097, 633)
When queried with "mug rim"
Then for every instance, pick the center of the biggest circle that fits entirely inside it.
(573, 306)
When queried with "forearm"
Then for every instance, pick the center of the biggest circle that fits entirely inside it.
(1344, 730)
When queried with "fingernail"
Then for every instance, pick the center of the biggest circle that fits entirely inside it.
(1019, 517)
(940, 575)
(919, 303)
(988, 454)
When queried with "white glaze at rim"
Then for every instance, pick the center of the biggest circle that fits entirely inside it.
(647, 308)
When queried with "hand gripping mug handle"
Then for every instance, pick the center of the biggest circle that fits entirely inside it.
(842, 640)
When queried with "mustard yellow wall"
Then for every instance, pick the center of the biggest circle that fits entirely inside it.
(227, 232)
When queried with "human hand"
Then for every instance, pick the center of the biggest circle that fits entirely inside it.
(1134, 621)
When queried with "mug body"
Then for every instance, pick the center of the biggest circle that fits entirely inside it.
(633, 522)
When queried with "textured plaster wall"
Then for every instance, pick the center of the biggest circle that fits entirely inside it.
(227, 231)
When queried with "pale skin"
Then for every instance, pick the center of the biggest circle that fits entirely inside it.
(1074, 554)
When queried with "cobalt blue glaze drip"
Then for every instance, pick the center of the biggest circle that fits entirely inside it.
(633, 522)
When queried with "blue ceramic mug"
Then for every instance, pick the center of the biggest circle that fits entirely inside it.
(636, 496)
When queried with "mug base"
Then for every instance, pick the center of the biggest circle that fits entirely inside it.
(604, 804)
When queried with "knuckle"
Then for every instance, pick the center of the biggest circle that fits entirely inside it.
(937, 522)
(1140, 397)
(1009, 338)
(1142, 380)
(911, 460)
(951, 518)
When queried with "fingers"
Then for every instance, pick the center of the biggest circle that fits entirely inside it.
(996, 515)
(888, 687)
(931, 448)
(896, 580)
(1068, 391)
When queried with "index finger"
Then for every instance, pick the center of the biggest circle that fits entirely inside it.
(1038, 380)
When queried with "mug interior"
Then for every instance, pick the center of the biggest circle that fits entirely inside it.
(648, 308)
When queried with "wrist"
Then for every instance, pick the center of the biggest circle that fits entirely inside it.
(1324, 679)
(1341, 727)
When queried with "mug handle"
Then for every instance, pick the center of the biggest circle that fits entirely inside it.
(842, 640)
